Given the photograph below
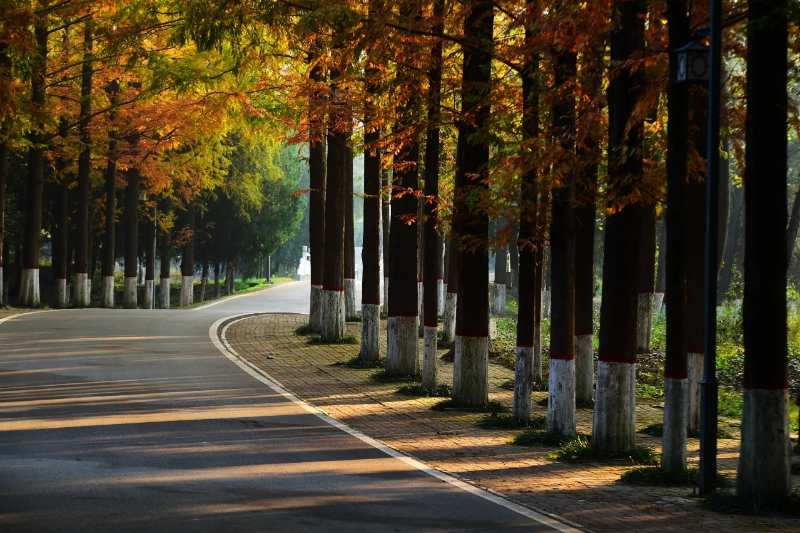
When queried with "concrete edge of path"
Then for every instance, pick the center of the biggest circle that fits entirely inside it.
(241, 295)
(216, 333)
(17, 315)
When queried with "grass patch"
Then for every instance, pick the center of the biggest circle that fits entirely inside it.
(657, 476)
(506, 421)
(539, 437)
(491, 407)
(442, 390)
(317, 339)
(579, 449)
(359, 364)
(657, 430)
(382, 377)
(304, 330)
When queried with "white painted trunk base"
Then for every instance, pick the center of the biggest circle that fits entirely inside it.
(350, 310)
(149, 294)
(644, 321)
(82, 295)
(499, 301)
(561, 397)
(613, 423)
(763, 475)
(164, 286)
(523, 377)
(62, 296)
(449, 321)
(130, 294)
(584, 369)
(440, 290)
(108, 292)
(187, 291)
(658, 304)
(332, 316)
(676, 410)
(401, 350)
(694, 369)
(471, 371)
(370, 332)
(429, 357)
(29, 295)
(537, 378)
(315, 309)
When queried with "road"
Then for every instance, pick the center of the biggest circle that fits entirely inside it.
(131, 420)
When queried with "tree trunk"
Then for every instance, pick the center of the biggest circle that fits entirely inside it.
(470, 368)
(131, 238)
(646, 278)
(500, 276)
(316, 207)
(82, 294)
(150, 262)
(763, 477)
(661, 242)
(60, 195)
(733, 242)
(165, 284)
(401, 353)
(794, 224)
(187, 261)
(451, 298)
(527, 241)
(432, 243)
(204, 279)
(29, 286)
(349, 238)
(613, 428)
(333, 312)
(4, 166)
(110, 179)
(676, 385)
(370, 252)
(385, 225)
(561, 382)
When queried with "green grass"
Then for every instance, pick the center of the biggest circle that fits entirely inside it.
(382, 377)
(506, 421)
(359, 364)
(442, 390)
(657, 430)
(347, 339)
(579, 449)
(539, 437)
(491, 407)
(657, 476)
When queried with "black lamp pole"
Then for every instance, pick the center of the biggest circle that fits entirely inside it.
(708, 392)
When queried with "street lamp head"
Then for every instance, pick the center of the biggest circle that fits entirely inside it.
(693, 63)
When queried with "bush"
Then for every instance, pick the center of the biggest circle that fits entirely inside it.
(491, 407)
(495, 421)
(579, 449)
(538, 437)
(442, 390)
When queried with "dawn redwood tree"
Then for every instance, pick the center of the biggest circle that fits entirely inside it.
(451, 296)
(349, 238)
(585, 218)
(432, 241)
(131, 237)
(402, 328)
(110, 186)
(4, 166)
(676, 386)
(370, 253)
(316, 207)
(661, 243)
(187, 260)
(60, 233)
(613, 427)
(82, 287)
(763, 476)
(164, 267)
(500, 275)
(561, 376)
(29, 286)
(527, 241)
(333, 318)
(470, 368)
(386, 200)
(645, 281)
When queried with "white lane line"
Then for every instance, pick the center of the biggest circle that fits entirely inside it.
(220, 341)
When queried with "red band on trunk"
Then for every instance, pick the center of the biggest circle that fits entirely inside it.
(777, 384)
(562, 356)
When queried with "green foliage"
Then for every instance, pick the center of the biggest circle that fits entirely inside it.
(506, 421)
(359, 364)
(657, 476)
(348, 339)
(539, 437)
(442, 390)
(491, 407)
(579, 449)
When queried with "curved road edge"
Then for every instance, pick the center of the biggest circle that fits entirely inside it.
(216, 333)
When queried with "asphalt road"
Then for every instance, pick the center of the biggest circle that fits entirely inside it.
(131, 420)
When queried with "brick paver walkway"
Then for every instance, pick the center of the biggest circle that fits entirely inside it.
(586, 493)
